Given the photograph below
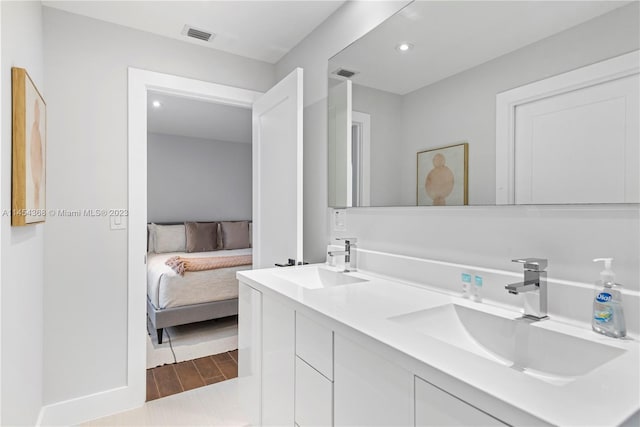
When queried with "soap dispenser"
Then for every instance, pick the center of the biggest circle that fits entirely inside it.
(608, 316)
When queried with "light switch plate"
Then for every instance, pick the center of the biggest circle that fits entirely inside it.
(340, 220)
(118, 222)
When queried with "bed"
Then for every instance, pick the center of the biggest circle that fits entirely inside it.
(176, 299)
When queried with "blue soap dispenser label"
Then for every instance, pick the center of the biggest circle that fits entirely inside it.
(604, 297)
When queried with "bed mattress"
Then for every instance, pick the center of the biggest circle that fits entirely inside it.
(166, 288)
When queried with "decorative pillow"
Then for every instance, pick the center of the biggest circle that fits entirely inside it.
(169, 238)
(151, 234)
(235, 235)
(219, 237)
(201, 236)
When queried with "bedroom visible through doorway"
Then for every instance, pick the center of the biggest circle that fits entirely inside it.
(199, 194)
(141, 84)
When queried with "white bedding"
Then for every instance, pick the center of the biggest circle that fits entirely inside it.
(166, 288)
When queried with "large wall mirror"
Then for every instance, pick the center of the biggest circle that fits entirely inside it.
(485, 103)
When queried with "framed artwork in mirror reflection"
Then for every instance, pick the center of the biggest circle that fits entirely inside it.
(442, 176)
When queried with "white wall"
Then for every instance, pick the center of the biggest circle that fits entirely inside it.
(569, 236)
(385, 109)
(22, 248)
(347, 24)
(463, 107)
(86, 60)
(192, 179)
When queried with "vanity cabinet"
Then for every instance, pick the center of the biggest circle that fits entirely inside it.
(314, 397)
(266, 357)
(435, 407)
(277, 362)
(314, 344)
(369, 389)
(314, 373)
(294, 369)
(250, 352)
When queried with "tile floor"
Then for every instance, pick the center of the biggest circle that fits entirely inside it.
(179, 377)
(213, 405)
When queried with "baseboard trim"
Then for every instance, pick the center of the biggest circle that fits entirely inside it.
(86, 408)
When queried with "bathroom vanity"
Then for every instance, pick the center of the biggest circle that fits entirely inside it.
(319, 346)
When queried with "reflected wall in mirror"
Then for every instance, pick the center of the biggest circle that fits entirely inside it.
(463, 55)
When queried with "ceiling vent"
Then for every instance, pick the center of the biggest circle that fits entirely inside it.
(197, 33)
(343, 72)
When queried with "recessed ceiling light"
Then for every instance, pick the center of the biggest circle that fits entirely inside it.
(404, 47)
(156, 104)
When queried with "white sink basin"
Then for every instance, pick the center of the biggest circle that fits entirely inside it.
(315, 277)
(551, 356)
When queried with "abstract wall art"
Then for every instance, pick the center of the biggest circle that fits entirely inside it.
(29, 136)
(442, 176)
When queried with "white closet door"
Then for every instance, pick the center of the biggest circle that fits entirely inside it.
(277, 173)
(579, 146)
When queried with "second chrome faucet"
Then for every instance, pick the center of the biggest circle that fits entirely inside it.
(534, 287)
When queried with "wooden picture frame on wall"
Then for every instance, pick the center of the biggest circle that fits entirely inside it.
(442, 176)
(29, 123)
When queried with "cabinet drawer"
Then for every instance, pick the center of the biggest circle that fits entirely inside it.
(314, 344)
(436, 407)
(314, 397)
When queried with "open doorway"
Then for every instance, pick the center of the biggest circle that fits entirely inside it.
(146, 87)
(198, 207)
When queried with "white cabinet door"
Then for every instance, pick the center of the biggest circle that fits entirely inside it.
(314, 344)
(437, 408)
(278, 354)
(314, 396)
(250, 351)
(368, 389)
(277, 173)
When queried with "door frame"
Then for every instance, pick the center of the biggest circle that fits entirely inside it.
(506, 103)
(363, 122)
(140, 83)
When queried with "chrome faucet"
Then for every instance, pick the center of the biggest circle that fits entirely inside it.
(348, 242)
(534, 287)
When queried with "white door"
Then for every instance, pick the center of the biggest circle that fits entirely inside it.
(277, 173)
(579, 146)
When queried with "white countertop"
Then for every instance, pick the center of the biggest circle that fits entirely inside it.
(607, 395)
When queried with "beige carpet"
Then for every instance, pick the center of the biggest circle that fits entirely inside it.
(192, 341)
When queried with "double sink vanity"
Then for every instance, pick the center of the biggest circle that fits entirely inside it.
(320, 346)
(394, 343)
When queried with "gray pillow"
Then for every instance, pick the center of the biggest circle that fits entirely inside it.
(235, 235)
(169, 238)
(151, 237)
(219, 237)
(201, 236)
